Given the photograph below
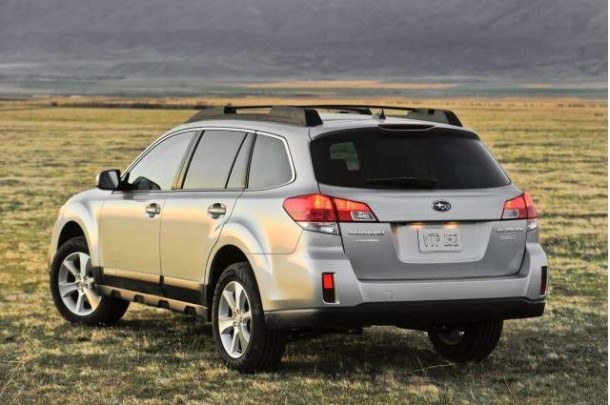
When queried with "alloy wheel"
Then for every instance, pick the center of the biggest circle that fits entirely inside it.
(76, 284)
(234, 319)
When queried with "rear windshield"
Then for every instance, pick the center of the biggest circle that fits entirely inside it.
(434, 159)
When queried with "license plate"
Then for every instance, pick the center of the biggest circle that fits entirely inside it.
(439, 240)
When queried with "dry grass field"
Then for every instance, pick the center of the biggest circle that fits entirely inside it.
(556, 149)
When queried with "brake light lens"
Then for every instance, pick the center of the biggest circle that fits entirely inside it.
(310, 208)
(529, 204)
(521, 207)
(321, 213)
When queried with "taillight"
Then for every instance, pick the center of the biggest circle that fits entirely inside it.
(521, 207)
(529, 204)
(321, 213)
(353, 211)
(310, 208)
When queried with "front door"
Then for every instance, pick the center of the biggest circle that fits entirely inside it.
(130, 221)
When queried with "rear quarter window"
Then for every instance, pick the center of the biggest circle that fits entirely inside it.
(439, 159)
(270, 165)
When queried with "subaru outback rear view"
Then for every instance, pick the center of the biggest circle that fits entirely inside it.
(272, 222)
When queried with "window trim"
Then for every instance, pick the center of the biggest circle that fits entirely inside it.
(199, 130)
(249, 152)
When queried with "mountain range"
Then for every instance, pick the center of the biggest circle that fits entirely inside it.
(250, 40)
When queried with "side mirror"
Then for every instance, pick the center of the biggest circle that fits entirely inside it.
(108, 179)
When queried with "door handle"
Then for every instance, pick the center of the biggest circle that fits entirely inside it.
(153, 209)
(217, 210)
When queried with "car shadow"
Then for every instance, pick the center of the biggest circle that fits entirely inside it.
(191, 323)
(329, 354)
(157, 335)
(175, 339)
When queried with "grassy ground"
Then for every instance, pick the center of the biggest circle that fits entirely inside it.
(556, 149)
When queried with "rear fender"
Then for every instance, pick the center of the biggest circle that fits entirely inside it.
(234, 234)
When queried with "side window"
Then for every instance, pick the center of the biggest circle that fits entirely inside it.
(270, 165)
(237, 179)
(213, 159)
(158, 168)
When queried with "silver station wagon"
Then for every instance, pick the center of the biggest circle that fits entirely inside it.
(272, 222)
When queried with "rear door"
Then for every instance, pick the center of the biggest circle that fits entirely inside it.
(438, 196)
(194, 215)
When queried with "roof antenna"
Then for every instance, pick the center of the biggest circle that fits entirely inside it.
(381, 115)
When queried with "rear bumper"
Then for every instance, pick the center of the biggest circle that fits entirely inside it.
(294, 281)
(414, 315)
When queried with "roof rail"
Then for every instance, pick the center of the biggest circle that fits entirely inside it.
(422, 114)
(301, 116)
(308, 116)
(341, 108)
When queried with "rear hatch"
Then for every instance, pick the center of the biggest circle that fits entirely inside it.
(438, 196)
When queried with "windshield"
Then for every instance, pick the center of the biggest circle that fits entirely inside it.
(433, 159)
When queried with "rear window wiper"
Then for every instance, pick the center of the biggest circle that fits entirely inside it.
(403, 181)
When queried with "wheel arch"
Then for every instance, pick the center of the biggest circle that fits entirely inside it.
(222, 258)
(235, 244)
(70, 230)
(77, 220)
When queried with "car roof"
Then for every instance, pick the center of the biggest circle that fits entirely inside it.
(275, 128)
(331, 122)
(339, 122)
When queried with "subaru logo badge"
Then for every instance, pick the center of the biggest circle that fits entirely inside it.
(441, 206)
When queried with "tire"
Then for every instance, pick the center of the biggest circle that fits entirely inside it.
(73, 288)
(238, 323)
(473, 342)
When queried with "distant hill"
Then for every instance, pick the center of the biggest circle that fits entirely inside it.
(541, 40)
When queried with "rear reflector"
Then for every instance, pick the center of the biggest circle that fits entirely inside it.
(328, 287)
(544, 279)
